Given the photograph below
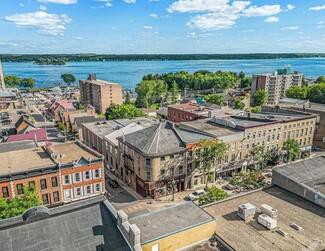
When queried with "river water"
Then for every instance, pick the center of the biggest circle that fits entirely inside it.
(130, 73)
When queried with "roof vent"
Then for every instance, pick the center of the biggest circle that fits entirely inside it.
(295, 226)
(35, 214)
(281, 232)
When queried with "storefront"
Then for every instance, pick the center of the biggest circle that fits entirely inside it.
(160, 188)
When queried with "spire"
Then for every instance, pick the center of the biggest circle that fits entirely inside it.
(2, 78)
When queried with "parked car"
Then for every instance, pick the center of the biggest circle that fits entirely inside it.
(196, 194)
(230, 186)
(112, 183)
(316, 148)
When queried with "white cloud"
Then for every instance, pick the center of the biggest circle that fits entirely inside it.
(107, 3)
(222, 14)
(153, 15)
(266, 10)
(299, 33)
(316, 8)
(290, 7)
(148, 27)
(293, 28)
(21, 5)
(45, 23)
(130, 1)
(320, 22)
(272, 20)
(153, 0)
(59, 1)
(43, 8)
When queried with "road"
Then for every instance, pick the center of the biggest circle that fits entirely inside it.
(119, 197)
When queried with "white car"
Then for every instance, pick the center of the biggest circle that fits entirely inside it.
(196, 194)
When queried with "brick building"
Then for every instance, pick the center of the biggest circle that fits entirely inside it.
(60, 173)
(100, 94)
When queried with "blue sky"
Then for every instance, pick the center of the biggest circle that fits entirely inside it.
(161, 26)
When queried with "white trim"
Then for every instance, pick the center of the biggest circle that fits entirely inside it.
(74, 177)
(85, 190)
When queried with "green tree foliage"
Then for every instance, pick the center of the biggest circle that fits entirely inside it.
(12, 81)
(122, 112)
(297, 92)
(27, 83)
(248, 180)
(127, 98)
(210, 151)
(68, 79)
(245, 82)
(213, 194)
(256, 109)
(239, 104)
(16, 206)
(80, 106)
(321, 80)
(292, 148)
(150, 92)
(259, 156)
(214, 99)
(260, 97)
(174, 93)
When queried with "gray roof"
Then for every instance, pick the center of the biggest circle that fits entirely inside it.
(163, 111)
(112, 137)
(190, 136)
(310, 172)
(16, 146)
(80, 226)
(143, 121)
(159, 139)
(170, 220)
(87, 119)
(7, 94)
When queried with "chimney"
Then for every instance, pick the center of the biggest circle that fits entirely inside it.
(2, 78)
(92, 77)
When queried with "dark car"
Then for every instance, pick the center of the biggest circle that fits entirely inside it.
(112, 183)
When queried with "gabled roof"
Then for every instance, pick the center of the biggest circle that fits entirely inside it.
(23, 119)
(64, 103)
(158, 139)
(38, 134)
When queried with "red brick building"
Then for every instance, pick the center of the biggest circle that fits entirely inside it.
(187, 112)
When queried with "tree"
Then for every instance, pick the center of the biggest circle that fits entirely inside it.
(248, 180)
(321, 79)
(127, 98)
(260, 97)
(27, 83)
(215, 99)
(297, 92)
(12, 81)
(150, 92)
(68, 79)
(210, 152)
(316, 93)
(213, 194)
(239, 104)
(259, 156)
(174, 93)
(80, 106)
(256, 109)
(245, 82)
(293, 149)
(16, 206)
(122, 112)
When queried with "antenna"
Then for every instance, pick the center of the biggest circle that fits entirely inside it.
(2, 78)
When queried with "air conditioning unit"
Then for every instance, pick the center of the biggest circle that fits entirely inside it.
(267, 221)
(246, 211)
(270, 211)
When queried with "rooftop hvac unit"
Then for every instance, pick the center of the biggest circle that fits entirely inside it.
(267, 221)
(246, 211)
(270, 211)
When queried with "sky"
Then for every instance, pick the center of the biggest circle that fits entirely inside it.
(161, 26)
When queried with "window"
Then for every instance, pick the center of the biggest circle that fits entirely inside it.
(45, 199)
(171, 157)
(31, 184)
(268, 138)
(148, 176)
(56, 196)
(240, 145)
(181, 156)
(20, 189)
(148, 162)
(239, 156)
(66, 179)
(162, 160)
(247, 146)
(172, 171)
(77, 177)
(233, 157)
(97, 173)
(43, 184)
(233, 147)
(97, 187)
(189, 168)
(162, 172)
(54, 181)
(180, 170)
(5, 192)
(87, 175)
(67, 194)
(88, 189)
(78, 192)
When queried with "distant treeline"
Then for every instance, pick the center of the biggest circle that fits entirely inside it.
(62, 58)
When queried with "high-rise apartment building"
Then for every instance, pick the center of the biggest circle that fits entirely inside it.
(276, 84)
(100, 94)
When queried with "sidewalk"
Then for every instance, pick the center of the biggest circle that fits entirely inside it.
(124, 186)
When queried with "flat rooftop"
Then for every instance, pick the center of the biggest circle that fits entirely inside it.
(71, 152)
(253, 236)
(190, 107)
(84, 225)
(23, 160)
(310, 172)
(101, 82)
(170, 220)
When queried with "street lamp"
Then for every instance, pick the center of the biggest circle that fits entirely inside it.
(173, 187)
